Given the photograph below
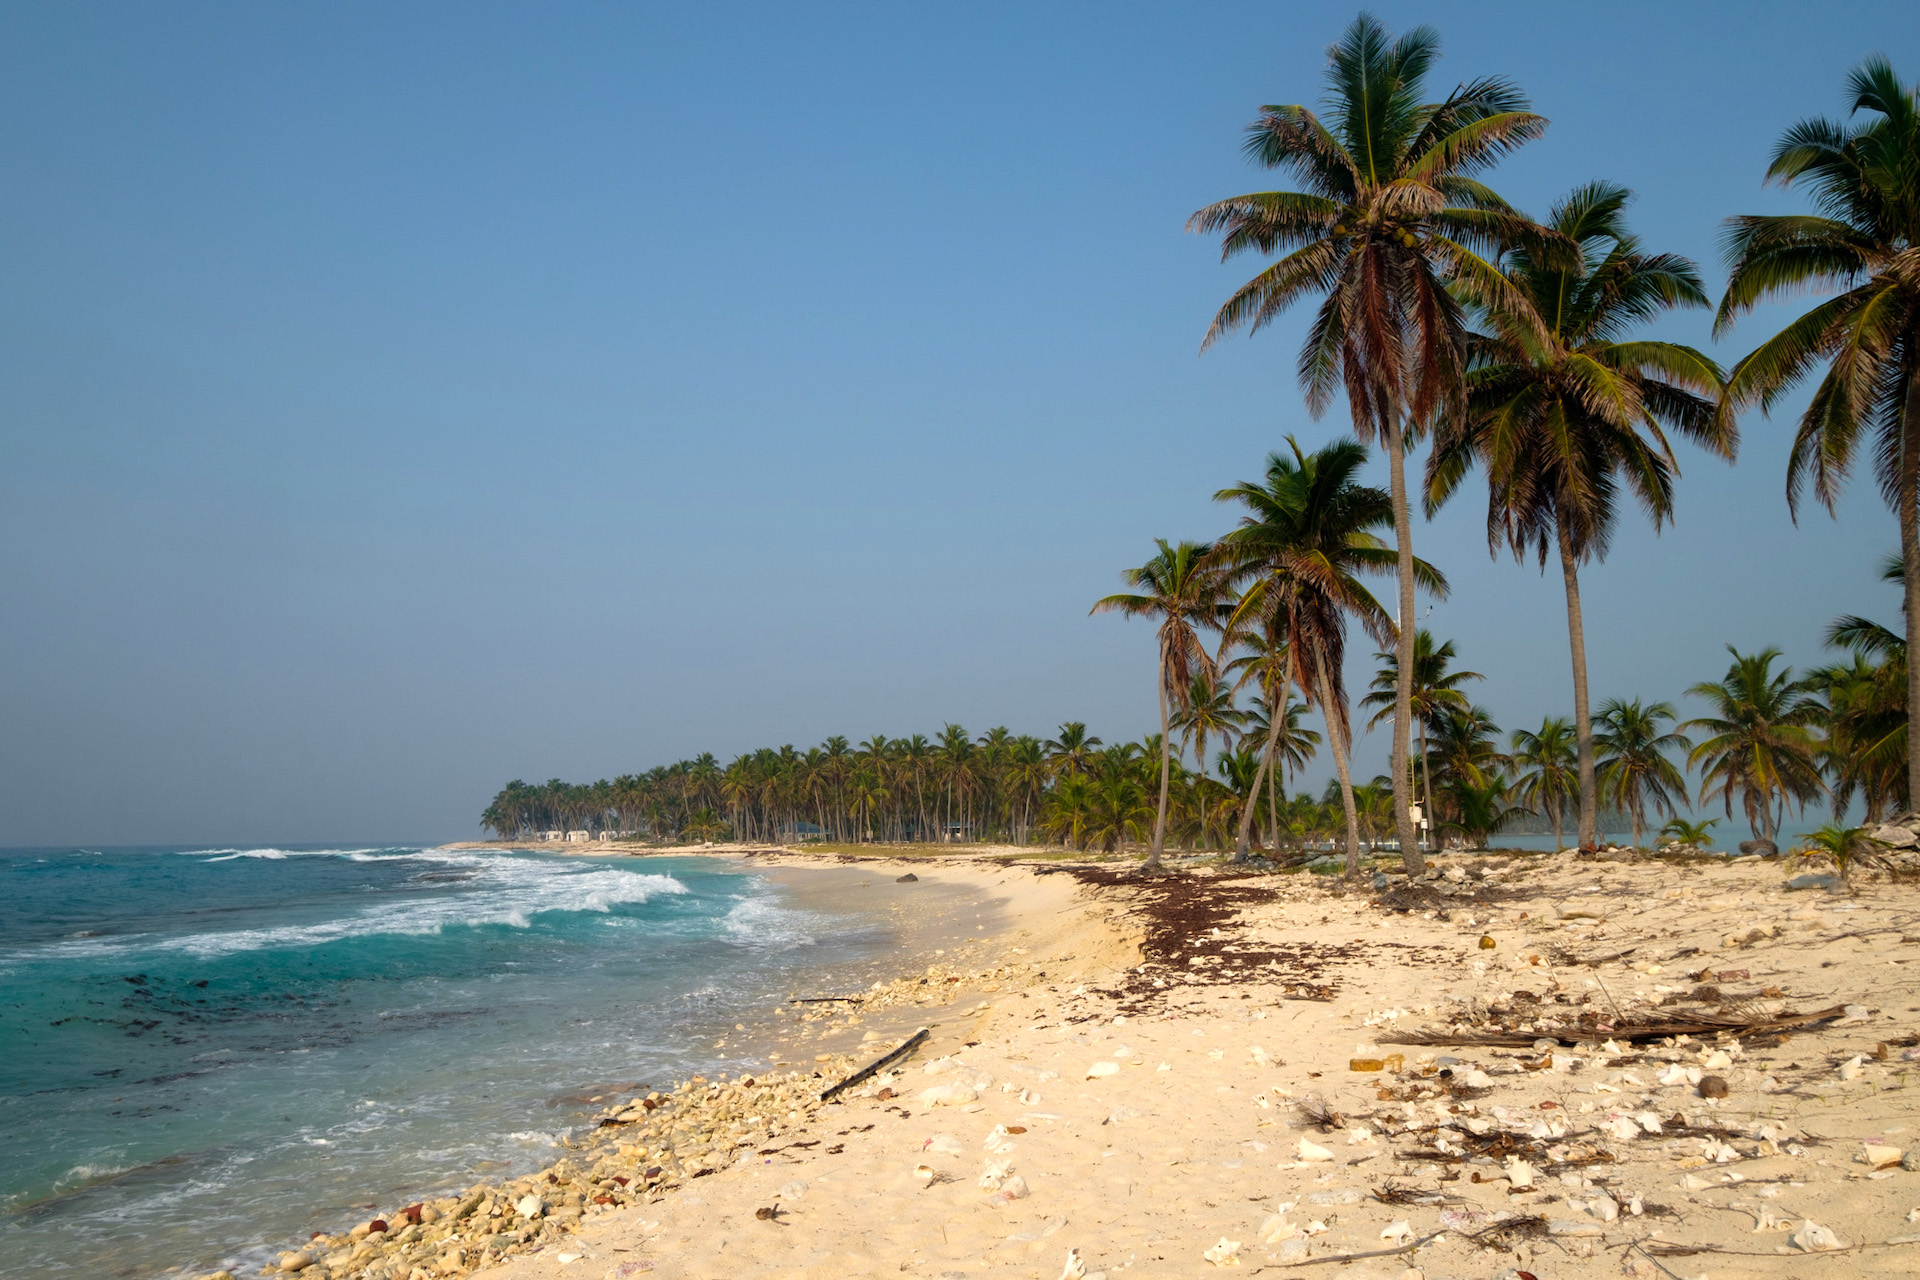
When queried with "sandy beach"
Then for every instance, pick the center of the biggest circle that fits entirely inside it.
(1211, 1071)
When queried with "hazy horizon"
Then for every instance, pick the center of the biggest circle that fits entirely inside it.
(397, 402)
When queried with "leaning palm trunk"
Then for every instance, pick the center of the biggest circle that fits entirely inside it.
(1909, 517)
(1166, 776)
(1582, 722)
(1276, 717)
(1337, 741)
(1403, 687)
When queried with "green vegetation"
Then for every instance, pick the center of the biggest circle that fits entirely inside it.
(1517, 349)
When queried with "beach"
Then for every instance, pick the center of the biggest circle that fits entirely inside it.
(1211, 1071)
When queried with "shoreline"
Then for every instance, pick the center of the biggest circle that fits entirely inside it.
(1213, 1069)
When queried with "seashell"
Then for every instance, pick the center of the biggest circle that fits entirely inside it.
(944, 1144)
(1674, 1074)
(1399, 1233)
(1075, 1269)
(1123, 1052)
(529, 1206)
(1258, 1055)
(1224, 1254)
(1519, 1172)
(1313, 1151)
(1718, 1060)
(1622, 1127)
(1850, 1070)
(1029, 1098)
(995, 1175)
(1878, 1154)
(924, 1172)
(1274, 1228)
(1105, 1068)
(1814, 1238)
(1357, 1136)
(1648, 1121)
(948, 1095)
(1015, 1188)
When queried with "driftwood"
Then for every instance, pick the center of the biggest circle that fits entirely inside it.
(880, 1064)
(1733, 1024)
(1374, 1253)
(826, 1000)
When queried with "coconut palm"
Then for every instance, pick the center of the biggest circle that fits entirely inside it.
(1480, 809)
(1562, 423)
(1866, 722)
(1862, 243)
(1211, 712)
(1393, 228)
(1760, 745)
(1434, 686)
(1634, 765)
(1693, 835)
(1307, 534)
(1549, 766)
(1070, 752)
(1179, 588)
(1293, 746)
(1842, 846)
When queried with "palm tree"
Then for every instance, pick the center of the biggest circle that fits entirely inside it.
(1307, 534)
(1550, 776)
(1177, 587)
(1433, 687)
(1842, 846)
(1761, 744)
(1689, 834)
(1481, 808)
(1293, 746)
(1865, 182)
(1866, 747)
(1634, 767)
(1210, 712)
(1391, 228)
(1561, 422)
(1069, 752)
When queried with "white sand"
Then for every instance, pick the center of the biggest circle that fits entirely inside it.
(1193, 1135)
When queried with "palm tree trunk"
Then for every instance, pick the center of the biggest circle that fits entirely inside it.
(1403, 684)
(1276, 716)
(1582, 722)
(1426, 780)
(1166, 777)
(1910, 569)
(1557, 845)
(1337, 741)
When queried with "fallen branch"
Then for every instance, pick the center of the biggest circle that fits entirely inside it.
(1376, 1253)
(1632, 1033)
(919, 1038)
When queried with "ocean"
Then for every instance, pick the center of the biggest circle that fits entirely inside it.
(207, 1053)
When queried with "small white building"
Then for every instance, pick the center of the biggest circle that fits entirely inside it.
(579, 837)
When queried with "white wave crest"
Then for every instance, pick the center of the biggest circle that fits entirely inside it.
(277, 855)
(501, 889)
(763, 922)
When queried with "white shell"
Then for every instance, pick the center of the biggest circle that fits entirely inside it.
(1399, 1233)
(1103, 1068)
(924, 1172)
(1519, 1172)
(1313, 1151)
(948, 1095)
(1075, 1269)
(529, 1206)
(1814, 1238)
(1224, 1254)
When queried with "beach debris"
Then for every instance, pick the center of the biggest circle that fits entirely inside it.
(873, 1068)
(1814, 1238)
(1075, 1269)
(1879, 1154)
(1850, 1069)
(1399, 1233)
(908, 878)
(1519, 1172)
(1313, 1151)
(1103, 1068)
(565, 1258)
(949, 1095)
(1712, 1087)
(944, 1144)
(1014, 1188)
(1224, 1254)
(1734, 1021)
(794, 1190)
(767, 1213)
(924, 1172)
(1276, 1227)
(1487, 943)
(994, 1175)
(530, 1206)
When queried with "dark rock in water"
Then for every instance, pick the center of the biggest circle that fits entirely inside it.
(908, 878)
(1765, 848)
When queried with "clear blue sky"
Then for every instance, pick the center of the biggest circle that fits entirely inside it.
(397, 399)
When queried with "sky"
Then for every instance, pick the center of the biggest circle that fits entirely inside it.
(397, 400)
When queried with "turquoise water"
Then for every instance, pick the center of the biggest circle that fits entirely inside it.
(207, 1052)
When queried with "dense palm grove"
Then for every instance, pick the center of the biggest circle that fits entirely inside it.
(1509, 347)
